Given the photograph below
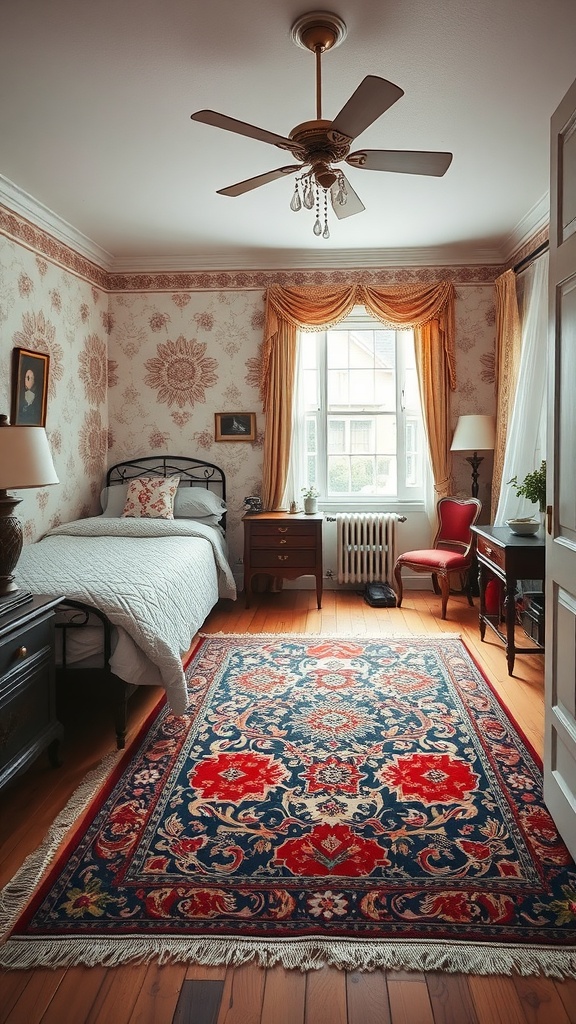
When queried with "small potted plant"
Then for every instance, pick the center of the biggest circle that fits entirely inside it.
(533, 487)
(311, 495)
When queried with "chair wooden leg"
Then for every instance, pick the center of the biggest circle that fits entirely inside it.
(435, 586)
(445, 587)
(398, 578)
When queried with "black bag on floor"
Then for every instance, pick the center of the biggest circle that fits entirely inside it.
(379, 595)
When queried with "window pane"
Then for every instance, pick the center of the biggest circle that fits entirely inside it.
(361, 347)
(385, 390)
(336, 435)
(361, 436)
(362, 475)
(386, 434)
(338, 475)
(337, 349)
(337, 389)
(361, 388)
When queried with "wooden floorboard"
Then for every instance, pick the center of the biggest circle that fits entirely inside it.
(162, 994)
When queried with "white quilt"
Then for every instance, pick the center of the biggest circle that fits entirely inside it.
(156, 579)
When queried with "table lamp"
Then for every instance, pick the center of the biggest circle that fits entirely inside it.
(474, 434)
(25, 461)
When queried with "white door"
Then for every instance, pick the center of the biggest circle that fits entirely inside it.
(560, 694)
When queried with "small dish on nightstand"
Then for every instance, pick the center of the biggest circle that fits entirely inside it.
(523, 527)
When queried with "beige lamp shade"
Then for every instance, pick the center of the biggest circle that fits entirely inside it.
(25, 458)
(25, 461)
(474, 434)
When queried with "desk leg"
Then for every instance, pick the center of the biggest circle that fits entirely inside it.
(481, 591)
(510, 614)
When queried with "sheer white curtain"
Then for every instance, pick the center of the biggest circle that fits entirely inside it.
(526, 441)
(297, 476)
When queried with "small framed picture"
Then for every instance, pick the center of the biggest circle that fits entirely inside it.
(29, 388)
(235, 426)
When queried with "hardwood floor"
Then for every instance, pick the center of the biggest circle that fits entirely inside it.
(153, 994)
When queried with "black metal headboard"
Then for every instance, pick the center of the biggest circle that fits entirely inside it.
(192, 473)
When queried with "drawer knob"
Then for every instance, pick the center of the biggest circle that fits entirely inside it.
(22, 652)
(282, 529)
(282, 558)
(488, 549)
(283, 541)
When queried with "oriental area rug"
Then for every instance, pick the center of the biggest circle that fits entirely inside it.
(360, 802)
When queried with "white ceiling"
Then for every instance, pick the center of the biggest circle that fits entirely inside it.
(95, 104)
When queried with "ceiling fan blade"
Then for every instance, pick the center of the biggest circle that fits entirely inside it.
(353, 203)
(261, 179)
(372, 97)
(230, 124)
(404, 161)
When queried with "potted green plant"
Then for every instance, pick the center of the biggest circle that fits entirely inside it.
(311, 495)
(533, 486)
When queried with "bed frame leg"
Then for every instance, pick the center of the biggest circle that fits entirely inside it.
(121, 693)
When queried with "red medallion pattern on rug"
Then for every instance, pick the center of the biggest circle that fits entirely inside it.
(358, 795)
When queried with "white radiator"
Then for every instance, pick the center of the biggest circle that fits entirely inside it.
(366, 546)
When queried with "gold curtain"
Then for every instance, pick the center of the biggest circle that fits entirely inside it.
(428, 309)
(506, 367)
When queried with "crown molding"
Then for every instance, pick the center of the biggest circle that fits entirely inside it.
(308, 259)
(533, 222)
(23, 204)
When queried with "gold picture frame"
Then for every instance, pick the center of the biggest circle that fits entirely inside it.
(235, 426)
(29, 388)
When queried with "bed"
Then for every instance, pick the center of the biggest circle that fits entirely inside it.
(137, 589)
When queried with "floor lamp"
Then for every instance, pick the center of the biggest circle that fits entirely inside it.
(474, 434)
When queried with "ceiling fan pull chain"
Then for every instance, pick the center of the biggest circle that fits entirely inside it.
(317, 226)
(326, 232)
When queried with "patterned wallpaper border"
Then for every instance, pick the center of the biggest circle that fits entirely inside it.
(39, 241)
(44, 244)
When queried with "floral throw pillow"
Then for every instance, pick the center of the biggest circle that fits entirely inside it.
(151, 497)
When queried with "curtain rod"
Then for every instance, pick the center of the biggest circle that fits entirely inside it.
(531, 256)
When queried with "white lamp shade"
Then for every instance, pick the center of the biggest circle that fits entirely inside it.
(25, 458)
(474, 434)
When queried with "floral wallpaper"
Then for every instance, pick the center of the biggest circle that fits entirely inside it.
(141, 363)
(45, 308)
(178, 358)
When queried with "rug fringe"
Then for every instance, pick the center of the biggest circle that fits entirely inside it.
(293, 954)
(18, 891)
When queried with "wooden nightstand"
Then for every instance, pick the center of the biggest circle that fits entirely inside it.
(28, 722)
(285, 545)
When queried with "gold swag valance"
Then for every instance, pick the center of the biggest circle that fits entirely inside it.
(427, 309)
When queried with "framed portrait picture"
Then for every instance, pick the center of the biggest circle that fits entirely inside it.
(235, 426)
(29, 388)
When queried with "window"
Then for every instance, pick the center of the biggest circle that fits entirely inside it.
(363, 435)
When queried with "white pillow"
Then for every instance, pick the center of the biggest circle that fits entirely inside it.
(113, 499)
(189, 503)
(197, 503)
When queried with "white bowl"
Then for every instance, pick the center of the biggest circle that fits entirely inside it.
(523, 527)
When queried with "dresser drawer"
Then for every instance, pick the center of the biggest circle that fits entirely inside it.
(289, 559)
(492, 552)
(23, 646)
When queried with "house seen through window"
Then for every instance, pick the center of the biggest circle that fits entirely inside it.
(362, 433)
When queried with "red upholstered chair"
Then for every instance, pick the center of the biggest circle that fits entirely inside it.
(452, 550)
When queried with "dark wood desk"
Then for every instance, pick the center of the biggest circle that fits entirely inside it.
(510, 558)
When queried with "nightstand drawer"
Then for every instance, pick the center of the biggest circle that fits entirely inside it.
(272, 559)
(299, 531)
(492, 552)
(24, 645)
(285, 540)
(25, 709)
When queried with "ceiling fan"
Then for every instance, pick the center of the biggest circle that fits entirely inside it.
(321, 144)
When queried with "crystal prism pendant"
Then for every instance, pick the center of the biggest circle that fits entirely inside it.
(317, 227)
(295, 203)
(309, 198)
(326, 232)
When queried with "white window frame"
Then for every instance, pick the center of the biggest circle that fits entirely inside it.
(405, 500)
